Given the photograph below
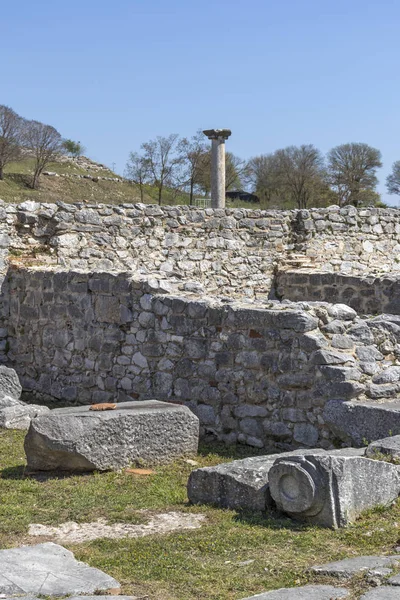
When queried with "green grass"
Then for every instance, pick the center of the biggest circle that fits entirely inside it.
(202, 563)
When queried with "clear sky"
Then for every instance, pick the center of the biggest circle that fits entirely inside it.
(276, 72)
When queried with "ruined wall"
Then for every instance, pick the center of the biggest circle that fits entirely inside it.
(255, 373)
(228, 252)
(364, 241)
(368, 295)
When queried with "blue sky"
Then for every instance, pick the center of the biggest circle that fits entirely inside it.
(113, 75)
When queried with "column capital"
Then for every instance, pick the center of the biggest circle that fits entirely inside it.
(217, 134)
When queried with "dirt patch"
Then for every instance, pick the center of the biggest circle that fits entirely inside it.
(84, 532)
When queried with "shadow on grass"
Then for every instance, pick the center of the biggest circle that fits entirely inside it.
(272, 519)
(22, 472)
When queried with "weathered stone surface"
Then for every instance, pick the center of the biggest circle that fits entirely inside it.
(9, 383)
(19, 416)
(79, 439)
(351, 566)
(307, 592)
(382, 593)
(389, 446)
(242, 484)
(49, 570)
(331, 489)
(356, 422)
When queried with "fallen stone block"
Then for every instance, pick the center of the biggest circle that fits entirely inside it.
(242, 484)
(389, 446)
(78, 439)
(382, 593)
(49, 570)
(376, 565)
(332, 489)
(307, 592)
(357, 422)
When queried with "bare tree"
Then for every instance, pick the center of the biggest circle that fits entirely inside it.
(393, 179)
(10, 137)
(193, 154)
(137, 170)
(299, 171)
(352, 170)
(163, 161)
(236, 171)
(44, 142)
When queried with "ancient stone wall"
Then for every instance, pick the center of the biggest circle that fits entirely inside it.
(256, 373)
(350, 241)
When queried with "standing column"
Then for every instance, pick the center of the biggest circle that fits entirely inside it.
(217, 137)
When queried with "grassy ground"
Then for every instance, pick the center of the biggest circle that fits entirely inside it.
(209, 563)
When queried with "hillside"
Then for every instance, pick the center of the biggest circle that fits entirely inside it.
(74, 180)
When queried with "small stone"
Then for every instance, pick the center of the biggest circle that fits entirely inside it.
(351, 566)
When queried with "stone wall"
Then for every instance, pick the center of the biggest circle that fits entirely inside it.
(228, 252)
(350, 241)
(257, 373)
(368, 295)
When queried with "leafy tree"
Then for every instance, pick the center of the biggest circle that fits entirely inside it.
(73, 148)
(10, 137)
(163, 162)
(44, 142)
(393, 179)
(194, 157)
(137, 170)
(352, 170)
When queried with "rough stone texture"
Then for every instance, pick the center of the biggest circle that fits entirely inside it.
(332, 490)
(389, 446)
(138, 301)
(258, 373)
(20, 415)
(49, 570)
(242, 484)
(78, 439)
(307, 592)
(367, 294)
(9, 383)
(351, 566)
(382, 593)
(360, 422)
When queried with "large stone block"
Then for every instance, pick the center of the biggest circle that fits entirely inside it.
(356, 423)
(241, 484)
(79, 439)
(332, 489)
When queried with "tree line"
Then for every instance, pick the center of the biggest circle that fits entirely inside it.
(20, 137)
(298, 176)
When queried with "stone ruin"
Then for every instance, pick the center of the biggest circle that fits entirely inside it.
(278, 329)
